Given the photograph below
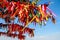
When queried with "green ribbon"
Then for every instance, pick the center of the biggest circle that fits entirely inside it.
(38, 14)
(30, 15)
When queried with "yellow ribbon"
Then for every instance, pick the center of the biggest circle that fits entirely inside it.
(29, 22)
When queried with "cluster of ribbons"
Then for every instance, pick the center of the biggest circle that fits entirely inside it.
(14, 30)
(26, 11)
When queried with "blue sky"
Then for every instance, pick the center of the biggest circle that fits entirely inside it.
(50, 31)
